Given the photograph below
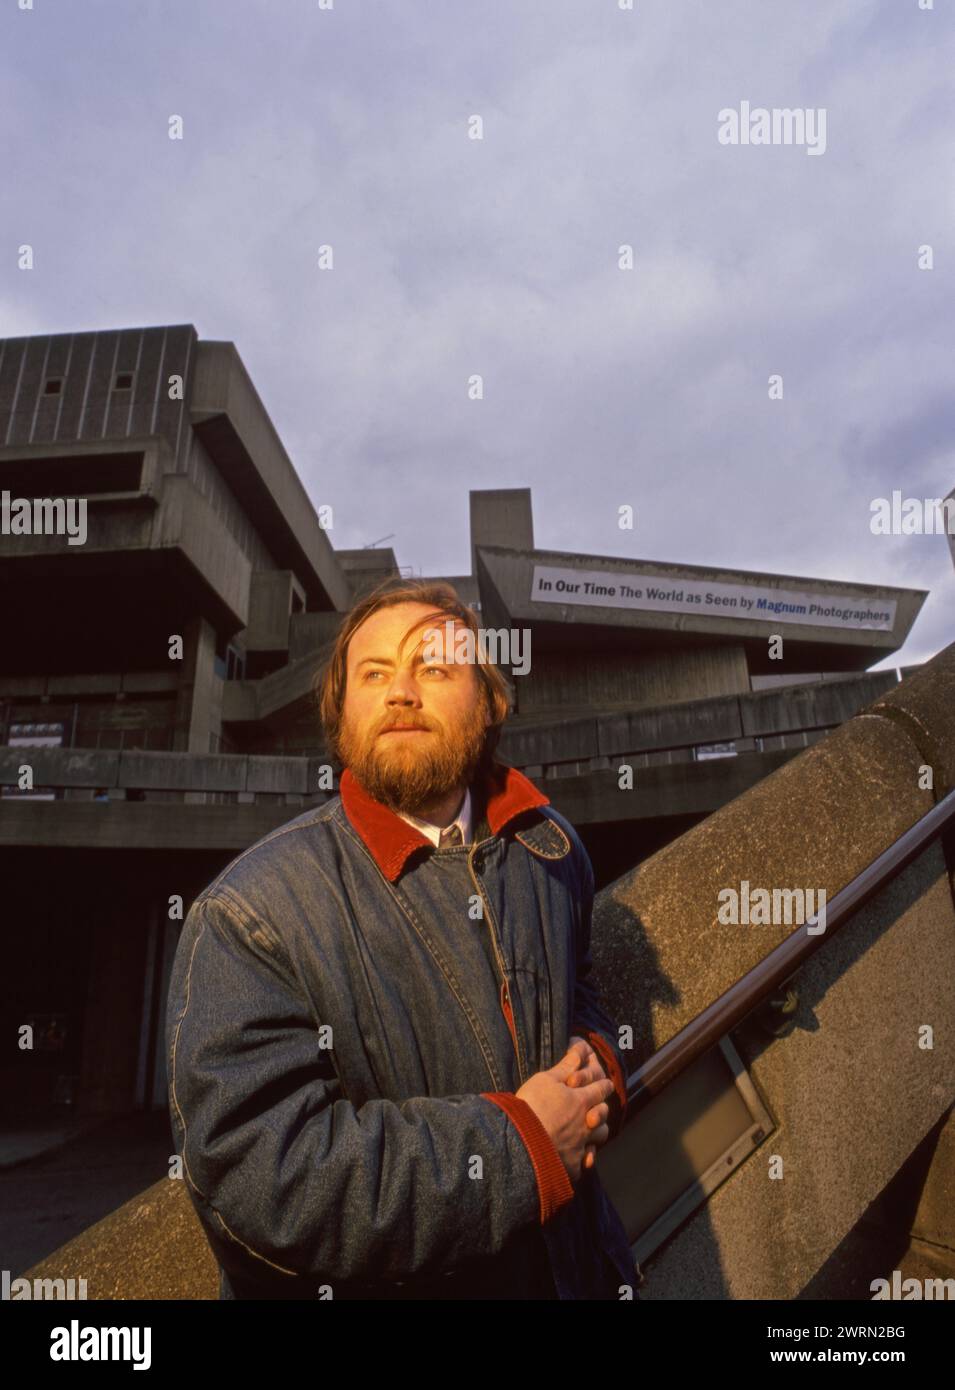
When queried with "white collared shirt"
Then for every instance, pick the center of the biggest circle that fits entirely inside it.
(434, 832)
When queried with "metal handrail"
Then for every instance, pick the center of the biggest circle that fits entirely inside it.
(726, 1012)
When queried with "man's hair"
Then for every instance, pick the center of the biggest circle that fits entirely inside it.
(329, 683)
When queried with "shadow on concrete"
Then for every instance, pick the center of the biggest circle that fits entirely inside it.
(53, 1196)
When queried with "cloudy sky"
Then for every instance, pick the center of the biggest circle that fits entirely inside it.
(351, 126)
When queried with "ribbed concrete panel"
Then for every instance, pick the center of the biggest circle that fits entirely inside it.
(178, 359)
(119, 410)
(11, 361)
(47, 407)
(87, 407)
(96, 404)
(148, 382)
(29, 368)
(75, 386)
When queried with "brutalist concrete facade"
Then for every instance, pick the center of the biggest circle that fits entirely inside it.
(851, 1177)
(157, 677)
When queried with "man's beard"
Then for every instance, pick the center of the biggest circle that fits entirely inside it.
(405, 776)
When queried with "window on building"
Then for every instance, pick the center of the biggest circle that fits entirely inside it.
(235, 664)
(33, 735)
(704, 751)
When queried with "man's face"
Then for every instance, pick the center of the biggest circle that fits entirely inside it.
(413, 729)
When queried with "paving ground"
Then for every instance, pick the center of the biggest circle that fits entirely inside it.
(58, 1177)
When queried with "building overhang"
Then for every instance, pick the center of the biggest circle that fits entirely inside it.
(575, 602)
(233, 424)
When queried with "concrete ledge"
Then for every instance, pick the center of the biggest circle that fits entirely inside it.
(851, 1090)
(60, 767)
(818, 820)
(141, 825)
(924, 707)
(277, 774)
(804, 707)
(666, 789)
(682, 725)
(151, 1247)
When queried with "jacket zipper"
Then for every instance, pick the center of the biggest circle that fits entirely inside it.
(505, 995)
(508, 1014)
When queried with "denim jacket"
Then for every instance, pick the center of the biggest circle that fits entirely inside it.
(350, 1013)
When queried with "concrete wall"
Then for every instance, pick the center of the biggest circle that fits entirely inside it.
(88, 408)
(851, 1090)
(198, 466)
(501, 516)
(612, 735)
(187, 523)
(270, 606)
(654, 677)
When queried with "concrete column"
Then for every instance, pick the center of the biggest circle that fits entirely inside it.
(501, 516)
(114, 1001)
(199, 700)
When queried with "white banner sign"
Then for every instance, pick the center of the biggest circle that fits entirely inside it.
(610, 589)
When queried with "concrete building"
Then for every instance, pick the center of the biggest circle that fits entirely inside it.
(156, 677)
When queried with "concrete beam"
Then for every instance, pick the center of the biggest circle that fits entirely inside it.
(667, 789)
(133, 767)
(141, 825)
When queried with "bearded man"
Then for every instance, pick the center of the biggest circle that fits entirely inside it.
(389, 1073)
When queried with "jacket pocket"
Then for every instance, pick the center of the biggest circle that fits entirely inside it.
(533, 990)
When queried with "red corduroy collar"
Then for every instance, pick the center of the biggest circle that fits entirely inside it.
(390, 839)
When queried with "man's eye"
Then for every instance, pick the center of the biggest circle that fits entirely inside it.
(432, 668)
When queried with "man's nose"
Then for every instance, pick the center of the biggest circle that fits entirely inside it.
(402, 691)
